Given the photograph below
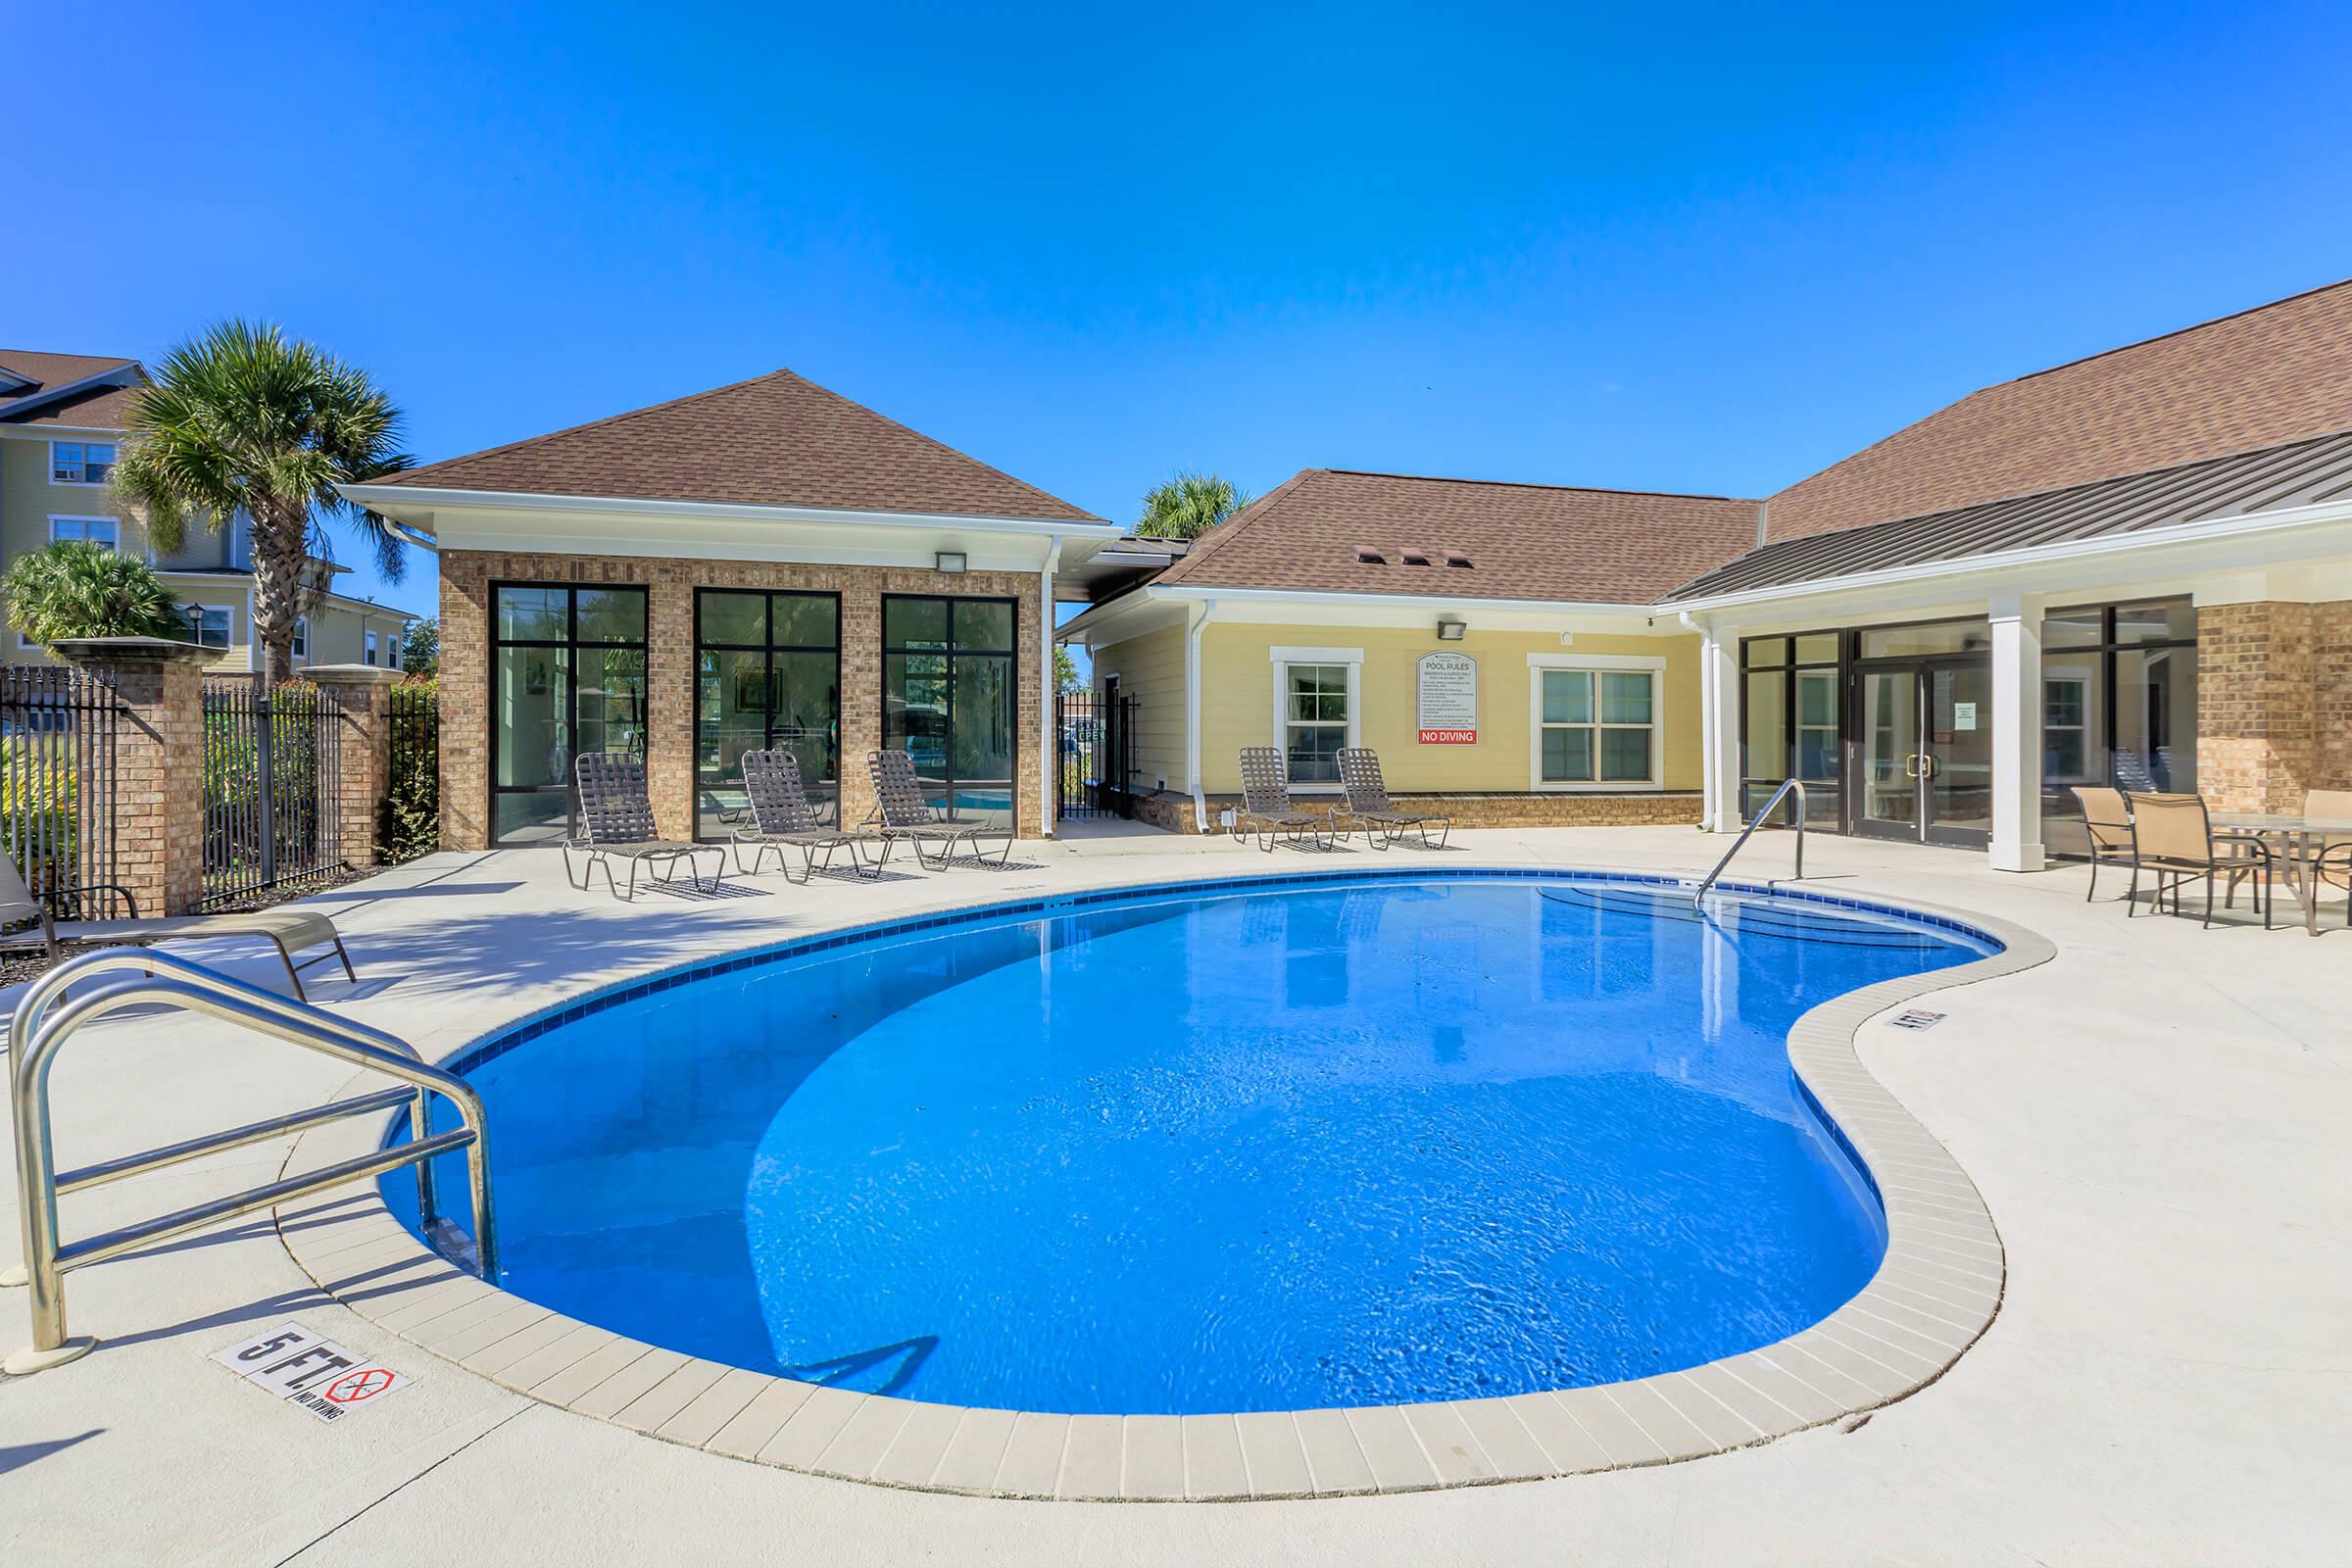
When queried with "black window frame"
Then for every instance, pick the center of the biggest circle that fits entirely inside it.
(1754, 787)
(770, 647)
(2106, 650)
(570, 641)
(1010, 652)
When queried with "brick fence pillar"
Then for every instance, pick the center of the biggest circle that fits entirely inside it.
(361, 695)
(159, 764)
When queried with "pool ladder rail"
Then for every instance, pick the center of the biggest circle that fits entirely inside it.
(45, 1021)
(1787, 787)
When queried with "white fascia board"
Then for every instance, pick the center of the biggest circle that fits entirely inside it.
(399, 499)
(60, 433)
(117, 375)
(2182, 546)
(1133, 614)
(1294, 607)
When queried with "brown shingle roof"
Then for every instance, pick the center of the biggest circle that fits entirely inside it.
(100, 409)
(1523, 540)
(776, 440)
(2275, 373)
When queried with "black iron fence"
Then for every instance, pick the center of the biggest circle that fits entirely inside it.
(411, 823)
(1097, 739)
(58, 729)
(273, 782)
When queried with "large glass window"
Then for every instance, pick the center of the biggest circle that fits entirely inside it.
(950, 699)
(2119, 707)
(1790, 722)
(567, 677)
(1314, 721)
(768, 676)
(1596, 726)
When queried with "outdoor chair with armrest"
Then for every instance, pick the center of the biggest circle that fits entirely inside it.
(782, 818)
(1366, 797)
(2172, 839)
(901, 814)
(2107, 819)
(616, 823)
(289, 930)
(1267, 811)
(2331, 865)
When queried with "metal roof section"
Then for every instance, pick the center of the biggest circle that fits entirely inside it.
(2297, 473)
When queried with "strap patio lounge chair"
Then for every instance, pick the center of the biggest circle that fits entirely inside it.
(783, 819)
(2172, 839)
(901, 814)
(290, 930)
(2108, 822)
(1368, 802)
(616, 823)
(1267, 811)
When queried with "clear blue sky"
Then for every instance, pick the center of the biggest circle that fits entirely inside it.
(1659, 251)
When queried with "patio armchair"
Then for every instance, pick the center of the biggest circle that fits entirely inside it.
(782, 820)
(616, 823)
(901, 814)
(1365, 796)
(2172, 840)
(2107, 821)
(289, 930)
(2332, 866)
(1267, 811)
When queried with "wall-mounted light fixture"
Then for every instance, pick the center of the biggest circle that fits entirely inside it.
(1450, 630)
(948, 561)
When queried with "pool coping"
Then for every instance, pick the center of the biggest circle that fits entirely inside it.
(1936, 1290)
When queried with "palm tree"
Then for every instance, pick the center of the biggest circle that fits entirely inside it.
(243, 418)
(77, 589)
(1188, 505)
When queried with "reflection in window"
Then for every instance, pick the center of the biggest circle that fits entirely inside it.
(1314, 721)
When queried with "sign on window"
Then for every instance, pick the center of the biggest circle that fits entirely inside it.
(1448, 709)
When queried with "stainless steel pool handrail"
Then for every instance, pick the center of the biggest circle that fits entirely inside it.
(35, 1038)
(1754, 822)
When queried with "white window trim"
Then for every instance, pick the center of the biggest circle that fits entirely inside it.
(80, 484)
(1536, 664)
(1283, 657)
(302, 638)
(230, 611)
(115, 523)
(367, 646)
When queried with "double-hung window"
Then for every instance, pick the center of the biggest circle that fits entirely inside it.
(80, 462)
(1596, 724)
(104, 531)
(1315, 697)
(370, 655)
(302, 636)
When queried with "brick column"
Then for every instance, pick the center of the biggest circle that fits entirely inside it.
(362, 695)
(159, 764)
(2256, 695)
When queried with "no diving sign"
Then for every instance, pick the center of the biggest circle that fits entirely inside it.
(302, 1369)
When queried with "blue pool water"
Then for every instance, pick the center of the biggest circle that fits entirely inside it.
(1325, 1143)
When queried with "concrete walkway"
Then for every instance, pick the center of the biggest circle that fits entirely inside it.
(2156, 1119)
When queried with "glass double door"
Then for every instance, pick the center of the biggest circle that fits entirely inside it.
(767, 678)
(1924, 751)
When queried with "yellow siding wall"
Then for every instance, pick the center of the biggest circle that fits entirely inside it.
(1151, 670)
(1237, 701)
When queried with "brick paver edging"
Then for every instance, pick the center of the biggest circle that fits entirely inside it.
(1935, 1292)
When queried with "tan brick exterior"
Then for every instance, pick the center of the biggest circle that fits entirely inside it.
(1565, 809)
(2273, 703)
(465, 579)
(159, 773)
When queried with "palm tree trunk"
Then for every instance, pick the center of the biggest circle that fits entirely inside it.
(278, 557)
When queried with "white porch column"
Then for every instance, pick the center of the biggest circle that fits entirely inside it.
(2016, 733)
(1719, 731)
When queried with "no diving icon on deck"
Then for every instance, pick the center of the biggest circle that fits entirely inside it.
(303, 1368)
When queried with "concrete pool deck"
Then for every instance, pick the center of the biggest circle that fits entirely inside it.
(2154, 1120)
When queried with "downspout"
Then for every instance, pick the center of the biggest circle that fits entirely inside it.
(1049, 760)
(1196, 619)
(1709, 763)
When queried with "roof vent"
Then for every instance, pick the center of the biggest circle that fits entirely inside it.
(1455, 558)
(1416, 558)
(1370, 557)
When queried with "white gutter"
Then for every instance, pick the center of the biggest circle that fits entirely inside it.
(1198, 618)
(1324, 596)
(1709, 763)
(2245, 524)
(1049, 764)
(375, 497)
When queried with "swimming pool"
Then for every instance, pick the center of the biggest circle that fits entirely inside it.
(1294, 1144)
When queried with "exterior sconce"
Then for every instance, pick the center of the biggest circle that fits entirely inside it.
(949, 561)
(1450, 631)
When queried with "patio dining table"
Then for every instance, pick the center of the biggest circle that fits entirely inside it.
(2295, 842)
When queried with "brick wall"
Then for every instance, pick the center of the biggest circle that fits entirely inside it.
(1564, 809)
(2273, 703)
(466, 578)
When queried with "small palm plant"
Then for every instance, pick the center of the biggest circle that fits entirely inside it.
(1189, 505)
(243, 418)
(77, 589)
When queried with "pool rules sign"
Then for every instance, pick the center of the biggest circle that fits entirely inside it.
(1448, 714)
